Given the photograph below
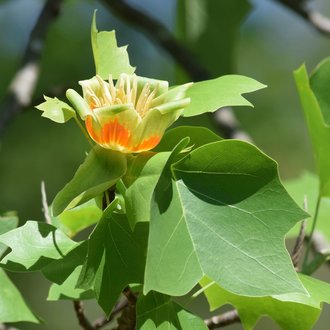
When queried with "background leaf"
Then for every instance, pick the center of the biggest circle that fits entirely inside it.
(80, 217)
(33, 246)
(100, 170)
(108, 57)
(210, 95)
(224, 218)
(157, 311)
(308, 185)
(306, 308)
(319, 131)
(68, 290)
(201, 23)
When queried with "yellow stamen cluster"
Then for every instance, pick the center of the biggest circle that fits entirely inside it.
(124, 92)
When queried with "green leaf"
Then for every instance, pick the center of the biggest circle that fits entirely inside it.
(290, 311)
(101, 170)
(116, 258)
(157, 311)
(77, 219)
(210, 95)
(198, 136)
(56, 110)
(225, 218)
(139, 194)
(108, 57)
(308, 185)
(203, 23)
(319, 82)
(319, 131)
(33, 246)
(59, 270)
(12, 305)
(7, 223)
(68, 290)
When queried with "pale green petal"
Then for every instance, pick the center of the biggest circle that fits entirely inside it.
(172, 106)
(173, 94)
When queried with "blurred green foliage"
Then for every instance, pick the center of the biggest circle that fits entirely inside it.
(269, 44)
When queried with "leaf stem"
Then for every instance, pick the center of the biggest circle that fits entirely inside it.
(309, 243)
(84, 131)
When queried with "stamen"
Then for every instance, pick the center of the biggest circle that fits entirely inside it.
(142, 99)
(134, 89)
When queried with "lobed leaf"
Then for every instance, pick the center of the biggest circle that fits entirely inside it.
(116, 258)
(157, 311)
(33, 246)
(225, 217)
(305, 309)
(108, 57)
(56, 110)
(210, 95)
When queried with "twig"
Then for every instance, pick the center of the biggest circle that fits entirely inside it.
(102, 321)
(298, 247)
(223, 319)
(83, 321)
(127, 320)
(313, 17)
(296, 252)
(45, 207)
(23, 84)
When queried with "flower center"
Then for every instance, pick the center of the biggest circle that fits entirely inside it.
(125, 91)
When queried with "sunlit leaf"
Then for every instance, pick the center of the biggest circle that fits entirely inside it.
(108, 57)
(290, 311)
(33, 246)
(210, 95)
(56, 110)
(80, 217)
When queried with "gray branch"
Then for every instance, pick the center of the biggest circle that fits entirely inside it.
(23, 84)
(313, 17)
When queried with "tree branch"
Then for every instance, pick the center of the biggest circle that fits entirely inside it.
(23, 84)
(223, 319)
(314, 18)
(80, 313)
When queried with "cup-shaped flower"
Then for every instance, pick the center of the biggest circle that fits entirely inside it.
(131, 115)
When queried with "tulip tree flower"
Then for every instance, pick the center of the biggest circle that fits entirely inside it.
(131, 115)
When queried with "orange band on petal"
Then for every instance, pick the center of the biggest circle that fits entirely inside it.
(89, 126)
(114, 133)
(147, 144)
